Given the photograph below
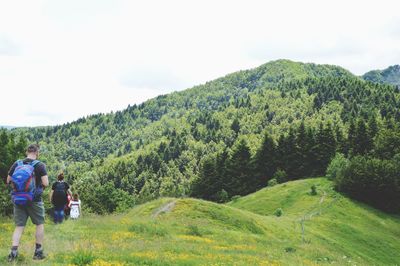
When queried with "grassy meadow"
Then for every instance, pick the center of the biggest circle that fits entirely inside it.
(326, 228)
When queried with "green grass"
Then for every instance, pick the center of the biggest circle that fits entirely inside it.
(245, 232)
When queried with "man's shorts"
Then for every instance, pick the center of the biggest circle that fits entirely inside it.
(35, 210)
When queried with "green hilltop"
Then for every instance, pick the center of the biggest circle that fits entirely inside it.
(186, 231)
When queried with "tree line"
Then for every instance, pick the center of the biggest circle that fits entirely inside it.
(302, 152)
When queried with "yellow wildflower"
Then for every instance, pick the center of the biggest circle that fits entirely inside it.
(175, 256)
(122, 236)
(195, 238)
(146, 254)
(99, 262)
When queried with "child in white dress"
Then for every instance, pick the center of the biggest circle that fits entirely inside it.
(75, 206)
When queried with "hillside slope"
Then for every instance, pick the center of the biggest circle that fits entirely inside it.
(331, 220)
(172, 231)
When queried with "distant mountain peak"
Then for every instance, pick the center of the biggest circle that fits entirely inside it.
(390, 75)
(287, 70)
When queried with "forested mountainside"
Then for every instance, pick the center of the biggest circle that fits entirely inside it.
(226, 137)
(390, 75)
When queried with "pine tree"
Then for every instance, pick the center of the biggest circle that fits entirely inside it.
(351, 139)
(293, 161)
(287, 154)
(362, 141)
(310, 158)
(372, 127)
(330, 143)
(242, 180)
(235, 126)
(302, 150)
(221, 181)
(324, 149)
(265, 165)
(203, 187)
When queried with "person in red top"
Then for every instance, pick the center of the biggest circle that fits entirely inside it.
(67, 209)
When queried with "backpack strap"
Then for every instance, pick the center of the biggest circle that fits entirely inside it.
(35, 162)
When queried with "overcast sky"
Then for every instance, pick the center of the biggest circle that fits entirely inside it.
(61, 60)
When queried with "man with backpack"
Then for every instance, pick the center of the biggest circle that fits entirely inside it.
(59, 197)
(28, 178)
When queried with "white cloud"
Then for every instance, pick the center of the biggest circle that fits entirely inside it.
(66, 59)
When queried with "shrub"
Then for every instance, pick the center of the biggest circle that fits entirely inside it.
(290, 249)
(222, 196)
(336, 166)
(313, 190)
(278, 212)
(280, 176)
(272, 182)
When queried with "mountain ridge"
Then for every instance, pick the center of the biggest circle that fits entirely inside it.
(303, 70)
(297, 70)
(389, 75)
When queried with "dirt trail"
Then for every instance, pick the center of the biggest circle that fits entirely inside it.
(164, 209)
(322, 198)
(315, 212)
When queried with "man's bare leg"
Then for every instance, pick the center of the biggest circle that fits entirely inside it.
(15, 242)
(39, 241)
(39, 234)
(17, 235)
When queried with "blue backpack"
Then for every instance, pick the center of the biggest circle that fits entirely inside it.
(23, 182)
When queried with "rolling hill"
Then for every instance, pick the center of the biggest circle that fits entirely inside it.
(185, 231)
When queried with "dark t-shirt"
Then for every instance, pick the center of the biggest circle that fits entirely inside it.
(53, 187)
(66, 187)
(40, 170)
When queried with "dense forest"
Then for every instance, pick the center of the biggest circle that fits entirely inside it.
(232, 136)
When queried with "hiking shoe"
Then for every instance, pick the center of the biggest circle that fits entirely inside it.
(38, 255)
(13, 255)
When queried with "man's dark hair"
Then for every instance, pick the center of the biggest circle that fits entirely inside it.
(33, 148)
